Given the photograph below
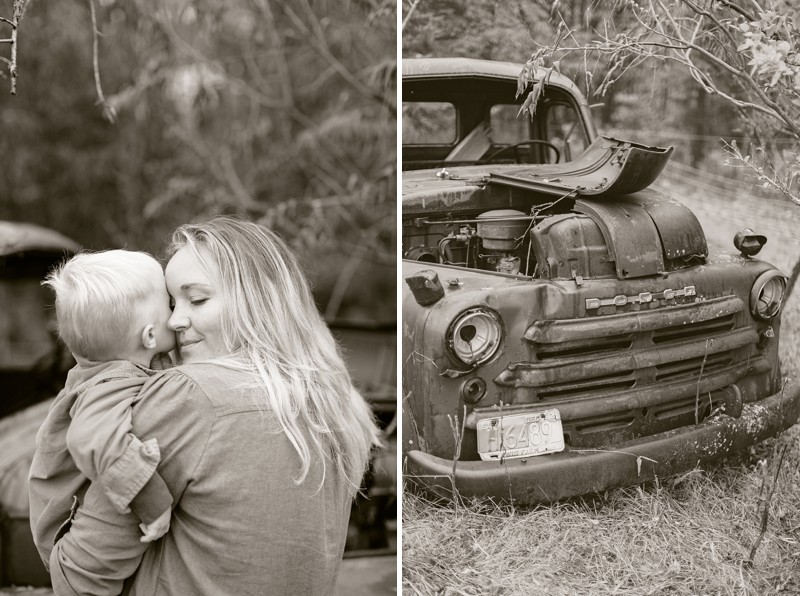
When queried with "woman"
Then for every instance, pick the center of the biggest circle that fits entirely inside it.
(263, 438)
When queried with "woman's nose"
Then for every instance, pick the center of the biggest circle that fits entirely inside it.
(178, 321)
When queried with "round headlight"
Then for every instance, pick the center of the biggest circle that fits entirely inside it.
(475, 336)
(766, 297)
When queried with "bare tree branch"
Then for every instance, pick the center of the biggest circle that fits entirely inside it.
(318, 43)
(108, 111)
(737, 9)
(680, 37)
(410, 12)
(19, 10)
(278, 40)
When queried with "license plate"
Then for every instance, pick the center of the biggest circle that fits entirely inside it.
(520, 435)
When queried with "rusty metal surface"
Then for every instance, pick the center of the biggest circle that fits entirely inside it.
(571, 245)
(626, 403)
(534, 375)
(562, 330)
(608, 167)
(534, 480)
(631, 235)
(681, 233)
(431, 396)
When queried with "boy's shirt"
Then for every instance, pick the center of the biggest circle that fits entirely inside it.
(87, 435)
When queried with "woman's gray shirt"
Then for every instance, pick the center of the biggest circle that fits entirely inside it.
(241, 525)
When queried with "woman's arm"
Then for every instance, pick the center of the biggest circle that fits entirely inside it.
(102, 548)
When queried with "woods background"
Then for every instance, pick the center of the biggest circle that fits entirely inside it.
(281, 112)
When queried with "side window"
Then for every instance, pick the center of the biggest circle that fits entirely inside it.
(506, 126)
(564, 130)
(429, 123)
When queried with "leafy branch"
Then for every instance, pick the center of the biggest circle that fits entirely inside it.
(748, 55)
(764, 170)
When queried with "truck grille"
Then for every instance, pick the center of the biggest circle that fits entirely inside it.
(698, 330)
(693, 367)
(588, 387)
(634, 373)
(588, 347)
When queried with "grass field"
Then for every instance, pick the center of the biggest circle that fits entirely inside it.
(688, 535)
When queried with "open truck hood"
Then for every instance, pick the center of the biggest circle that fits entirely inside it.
(608, 167)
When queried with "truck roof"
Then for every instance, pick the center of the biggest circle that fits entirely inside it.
(422, 68)
(18, 237)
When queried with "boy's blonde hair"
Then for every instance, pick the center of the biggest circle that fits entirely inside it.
(100, 299)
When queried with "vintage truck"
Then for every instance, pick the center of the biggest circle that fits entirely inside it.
(33, 367)
(564, 328)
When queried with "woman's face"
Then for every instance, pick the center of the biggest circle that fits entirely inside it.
(197, 312)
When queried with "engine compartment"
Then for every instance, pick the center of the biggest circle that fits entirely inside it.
(627, 236)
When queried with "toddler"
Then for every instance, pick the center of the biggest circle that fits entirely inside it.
(112, 309)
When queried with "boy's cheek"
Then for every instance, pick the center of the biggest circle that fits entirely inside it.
(172, 344)
(167, 342)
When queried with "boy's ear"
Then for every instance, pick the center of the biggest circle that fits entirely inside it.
(149, 337)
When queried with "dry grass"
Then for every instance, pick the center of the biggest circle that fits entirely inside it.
(689, 535)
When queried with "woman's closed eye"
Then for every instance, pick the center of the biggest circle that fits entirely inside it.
(197, 301)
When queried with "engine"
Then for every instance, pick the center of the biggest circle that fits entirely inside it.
(494, 241)
(624, 238)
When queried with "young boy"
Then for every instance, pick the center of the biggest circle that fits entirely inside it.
(112, 309)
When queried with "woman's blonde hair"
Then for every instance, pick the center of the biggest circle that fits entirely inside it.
(271, 321)
(101, 298)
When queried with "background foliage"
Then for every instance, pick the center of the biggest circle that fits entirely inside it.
(647, 99)
(631, 60)
(281, 112)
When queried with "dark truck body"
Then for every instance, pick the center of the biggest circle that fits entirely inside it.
(571, 292)
(33, 367)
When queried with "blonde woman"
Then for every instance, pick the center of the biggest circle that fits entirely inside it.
(263, 438)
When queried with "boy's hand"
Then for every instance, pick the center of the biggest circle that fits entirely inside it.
(157, 528)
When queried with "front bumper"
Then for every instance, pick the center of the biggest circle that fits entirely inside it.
(532, 480)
